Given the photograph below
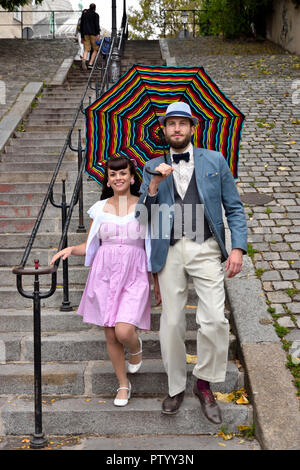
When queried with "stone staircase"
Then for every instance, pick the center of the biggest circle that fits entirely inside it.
(141, 52)
(78, 380)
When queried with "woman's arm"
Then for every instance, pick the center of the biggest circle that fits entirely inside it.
(77, 250)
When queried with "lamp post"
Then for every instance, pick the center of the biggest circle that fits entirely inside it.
(113, 19)
(184, 18)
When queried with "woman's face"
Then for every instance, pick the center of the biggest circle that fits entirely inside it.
(119, 180)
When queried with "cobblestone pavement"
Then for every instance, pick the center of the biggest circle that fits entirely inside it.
(263, 84)
(23, 61)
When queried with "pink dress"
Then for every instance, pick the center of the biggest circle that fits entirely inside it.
(117, 288)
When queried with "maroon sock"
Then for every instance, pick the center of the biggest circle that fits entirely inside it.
(202, 385)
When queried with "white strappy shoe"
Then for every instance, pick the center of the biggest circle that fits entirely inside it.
(133, 368)
(123, 401)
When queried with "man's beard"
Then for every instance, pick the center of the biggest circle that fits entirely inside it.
(178, 145)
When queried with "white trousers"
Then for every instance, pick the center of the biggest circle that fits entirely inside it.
(202, 262)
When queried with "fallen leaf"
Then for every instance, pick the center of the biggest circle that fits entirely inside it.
(243, 427)
(87, 400)
(222, 444)
(101, 401)
(191, 306)
(25, 440)
(191, 359)
(224, 397)
(242, 400)
(227, 437)
(282, 168)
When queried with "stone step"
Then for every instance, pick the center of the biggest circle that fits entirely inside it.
(77, 274)
(83, 415)
(84, 345)
(35, 135)
(37, 166)
(11, 198)
(11, 257)
(40, 143)
(42, 240)
(54, 105)
(35, 155)
(34, 176)
(26, 224)
(55, 113)
(10, 297)
(64, 126)
(99, 378)
(63, 98)
(142, 58)
(53, 319)
(42, 150)
(27, 188)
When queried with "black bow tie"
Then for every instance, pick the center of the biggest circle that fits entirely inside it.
(181, 156)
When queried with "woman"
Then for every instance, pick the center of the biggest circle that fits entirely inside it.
(117, 292)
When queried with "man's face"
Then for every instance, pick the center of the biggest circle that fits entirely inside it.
(178, 132)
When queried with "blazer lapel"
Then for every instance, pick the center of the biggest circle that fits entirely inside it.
(170, 181)
(199, 170)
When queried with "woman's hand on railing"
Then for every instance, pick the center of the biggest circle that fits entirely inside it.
(64, 254)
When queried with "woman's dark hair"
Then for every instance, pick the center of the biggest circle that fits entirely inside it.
(120, 163)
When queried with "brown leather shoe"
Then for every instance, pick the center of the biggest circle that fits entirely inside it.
(208, 405)
(171, 405)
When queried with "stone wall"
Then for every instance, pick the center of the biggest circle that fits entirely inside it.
(283, 26)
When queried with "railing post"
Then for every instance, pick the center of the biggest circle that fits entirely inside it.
(38, 440)
(113, 19)
(66, 305)
(81, 228)
(115, 65)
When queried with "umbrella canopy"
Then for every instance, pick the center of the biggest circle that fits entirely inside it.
(124, 120)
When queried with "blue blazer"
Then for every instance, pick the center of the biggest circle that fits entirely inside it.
(216, 188)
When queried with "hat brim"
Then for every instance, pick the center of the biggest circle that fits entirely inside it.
(162, 119)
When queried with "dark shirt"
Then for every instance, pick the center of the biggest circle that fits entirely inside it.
(90, 23)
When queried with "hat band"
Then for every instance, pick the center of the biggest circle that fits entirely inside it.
(179, 113)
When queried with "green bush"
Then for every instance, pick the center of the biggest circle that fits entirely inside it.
(233, 18)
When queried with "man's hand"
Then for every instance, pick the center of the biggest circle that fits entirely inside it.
(165, 171)
(234, 262)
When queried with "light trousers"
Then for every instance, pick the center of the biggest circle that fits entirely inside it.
(202, 262)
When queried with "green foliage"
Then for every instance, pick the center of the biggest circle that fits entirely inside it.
(148, 21)
(233, 18)
(12, 5)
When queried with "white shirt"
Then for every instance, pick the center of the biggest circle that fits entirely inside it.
(98, 215)
(183, 171)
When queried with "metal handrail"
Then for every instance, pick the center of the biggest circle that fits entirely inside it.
(193, 12)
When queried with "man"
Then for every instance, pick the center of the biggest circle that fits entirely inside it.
(193, 178)
(90, 31)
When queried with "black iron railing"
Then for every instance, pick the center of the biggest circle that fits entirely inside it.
(183, 21)
(38, 440)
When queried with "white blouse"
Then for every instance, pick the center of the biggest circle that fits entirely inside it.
(93, 242)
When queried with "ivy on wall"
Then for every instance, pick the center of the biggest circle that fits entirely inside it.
(235, 18)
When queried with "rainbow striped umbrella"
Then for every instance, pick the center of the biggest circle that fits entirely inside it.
(124, 120)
